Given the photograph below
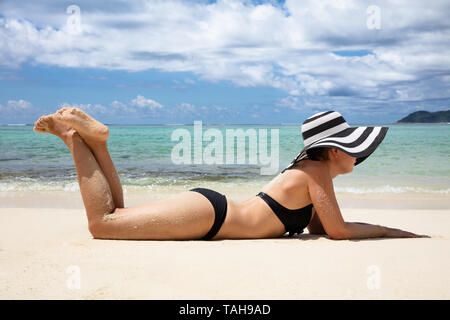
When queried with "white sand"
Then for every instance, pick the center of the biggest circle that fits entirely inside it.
(46, 252)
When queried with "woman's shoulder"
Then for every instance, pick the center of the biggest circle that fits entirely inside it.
(298, 177)
(308, 167)
(302, 174)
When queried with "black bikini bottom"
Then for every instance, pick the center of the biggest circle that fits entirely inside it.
(219, 202)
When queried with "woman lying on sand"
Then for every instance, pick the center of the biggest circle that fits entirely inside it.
(332, 148)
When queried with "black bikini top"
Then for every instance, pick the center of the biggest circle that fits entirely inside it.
(294, 220)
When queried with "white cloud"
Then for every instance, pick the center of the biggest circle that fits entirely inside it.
(136, 107)
(142, 102)
(17, 107)
(118, 106)
(17, 110)
(281, 46)
(96, 109)
(187, 107)
(141, 108)
(291, 102)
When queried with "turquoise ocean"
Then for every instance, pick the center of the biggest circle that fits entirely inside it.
(413, 159)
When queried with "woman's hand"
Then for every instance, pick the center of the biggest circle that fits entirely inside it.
(397, 233)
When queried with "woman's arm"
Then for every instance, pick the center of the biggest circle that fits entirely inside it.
(321, 191)
(389, 232)
(315, 226)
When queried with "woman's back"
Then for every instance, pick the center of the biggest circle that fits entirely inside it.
(290, 188)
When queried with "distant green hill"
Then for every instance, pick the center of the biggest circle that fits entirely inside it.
(426, 117)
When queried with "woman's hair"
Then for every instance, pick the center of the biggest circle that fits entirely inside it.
(318, 154)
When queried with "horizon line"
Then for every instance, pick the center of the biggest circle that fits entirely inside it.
(230, 124)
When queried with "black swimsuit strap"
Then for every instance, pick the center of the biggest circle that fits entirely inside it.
(278, 207)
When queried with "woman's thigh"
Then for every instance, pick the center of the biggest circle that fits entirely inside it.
(188, 215)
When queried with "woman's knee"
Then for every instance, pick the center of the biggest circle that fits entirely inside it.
(94, 229)
(98, 229)
(101, 228)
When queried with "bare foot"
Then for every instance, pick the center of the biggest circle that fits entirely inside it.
(48, 124)
(87, 127)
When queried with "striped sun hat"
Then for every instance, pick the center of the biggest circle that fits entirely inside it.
(329, 129)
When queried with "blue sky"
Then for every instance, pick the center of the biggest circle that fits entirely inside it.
(224, 61)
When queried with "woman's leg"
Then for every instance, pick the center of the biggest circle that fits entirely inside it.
(95, 134)
(95, 190)
(189, 215)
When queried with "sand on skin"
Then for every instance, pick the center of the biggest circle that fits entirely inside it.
(43, 249)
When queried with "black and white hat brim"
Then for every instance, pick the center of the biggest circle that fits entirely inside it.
(358, 142)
